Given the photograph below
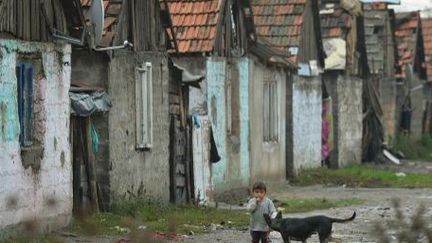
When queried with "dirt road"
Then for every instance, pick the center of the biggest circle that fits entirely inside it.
(377, 207)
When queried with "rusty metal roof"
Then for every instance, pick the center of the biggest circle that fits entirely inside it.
(279, 22)
(427, 39)
(112, 11)
(406, 37)
(194, 23)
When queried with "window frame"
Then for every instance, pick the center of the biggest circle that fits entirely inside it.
(144, 105)
(271, 108)
(25, 95)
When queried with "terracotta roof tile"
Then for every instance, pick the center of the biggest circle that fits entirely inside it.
(335, 24)
(279, 22)
(194, 23)
(404, 33)
(427, 39)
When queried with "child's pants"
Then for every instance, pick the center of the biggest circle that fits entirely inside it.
(258, 236)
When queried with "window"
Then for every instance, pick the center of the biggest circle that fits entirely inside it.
(144, 106)
(270, 109)
(24, 73)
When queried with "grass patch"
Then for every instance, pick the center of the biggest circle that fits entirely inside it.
(414, 148)
(306, 205)
(35, 239)
(182, 219)
(157, 216)
(362, 176)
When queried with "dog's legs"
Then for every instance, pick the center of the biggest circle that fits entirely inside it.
(285, 238)
(324, 233)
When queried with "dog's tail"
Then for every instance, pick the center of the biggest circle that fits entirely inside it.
(343, 220)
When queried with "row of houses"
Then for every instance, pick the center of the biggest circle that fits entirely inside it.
(103, 101)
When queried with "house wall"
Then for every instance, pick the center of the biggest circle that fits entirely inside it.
(304, 134)
(138, 172)
(233, 170)
(41, 191)
(388, 104)
(91, 68)
(267, 159)
(418, 104)
(346, 93)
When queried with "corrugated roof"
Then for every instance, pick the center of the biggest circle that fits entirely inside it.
(112, 10)
(427, 39)
(279, 22)
(405, 34)
(194, 23)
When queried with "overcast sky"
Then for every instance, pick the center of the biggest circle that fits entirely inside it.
(411, 5)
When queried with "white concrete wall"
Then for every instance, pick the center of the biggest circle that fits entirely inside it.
(306, 122)
(350, 120)
(201, 160)
(268, 159)
(43, 195)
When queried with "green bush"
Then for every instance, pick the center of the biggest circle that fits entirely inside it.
(414, 148)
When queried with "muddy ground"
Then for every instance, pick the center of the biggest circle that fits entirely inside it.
(376, 208)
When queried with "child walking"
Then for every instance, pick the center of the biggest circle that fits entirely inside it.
(258, 205)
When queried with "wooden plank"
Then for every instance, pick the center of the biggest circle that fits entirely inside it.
(153, 24)
(219, 29)
(76, 172)
(171, 160)
(189, 164)
(134, 24)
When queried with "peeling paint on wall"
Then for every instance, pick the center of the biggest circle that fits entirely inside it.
(233, 171)
(30, 190)
(243, 67)
(215, 92)
(306, 115)
(8, 96)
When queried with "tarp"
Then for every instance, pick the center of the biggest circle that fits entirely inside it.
(188, 77)
(336, 54)
(85, 104)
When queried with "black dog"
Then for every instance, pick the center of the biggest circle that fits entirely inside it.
(300, 229)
